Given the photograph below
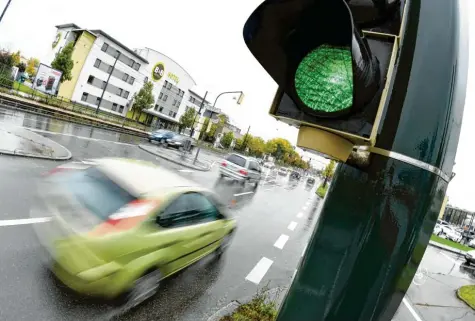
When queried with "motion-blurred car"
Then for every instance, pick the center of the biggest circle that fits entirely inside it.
(470, 257)
(120, 226)
(240, 169)
(180, 142)
(310, 180)
(449, 233)
(283, 171)
(160, 135)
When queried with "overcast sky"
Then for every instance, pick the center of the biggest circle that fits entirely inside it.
(205, 38)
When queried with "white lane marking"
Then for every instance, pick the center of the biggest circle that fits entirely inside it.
(186, 170)
(292, 226)
(258, 272)
(304, 249)
(268, 189)
(245, 193)
(300, 214)
(280, 243)
(24, 221)
(411, 309)
(304, 208)
(449, 258)
(308, 203)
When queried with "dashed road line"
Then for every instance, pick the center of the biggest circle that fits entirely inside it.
(292, 226)
(259, 271)
(300, 215)
(280, 243)
(450, 258)
(411, 309)
(245, 193)
(186, 170)
(25, 221)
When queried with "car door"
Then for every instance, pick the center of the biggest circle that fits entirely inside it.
(191, 224)
(254, 171)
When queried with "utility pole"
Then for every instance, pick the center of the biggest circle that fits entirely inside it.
(245, 138)
(107, 82)
(199, 114)
(5, 9)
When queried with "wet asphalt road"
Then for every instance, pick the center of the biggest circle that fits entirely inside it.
(28, 291)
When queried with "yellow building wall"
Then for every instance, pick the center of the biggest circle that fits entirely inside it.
(444, 205)
(81, 51)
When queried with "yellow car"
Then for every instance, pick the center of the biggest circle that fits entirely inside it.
(118, 227)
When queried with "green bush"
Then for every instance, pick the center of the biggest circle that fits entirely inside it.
(467, 294)
(258, 309)
(321, 191)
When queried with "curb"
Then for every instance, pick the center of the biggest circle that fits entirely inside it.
(18, 152)
(435, 244)
(233, 305)
(144, 148)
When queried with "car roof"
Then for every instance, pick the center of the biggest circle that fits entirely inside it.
(140, 177)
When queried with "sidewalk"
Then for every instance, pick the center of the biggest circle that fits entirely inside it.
(177, 158)
(22, 142)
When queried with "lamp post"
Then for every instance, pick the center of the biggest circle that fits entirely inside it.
(5, 9)
(241, 97)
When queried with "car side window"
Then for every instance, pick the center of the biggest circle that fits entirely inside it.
(188, 209)
(254, 166)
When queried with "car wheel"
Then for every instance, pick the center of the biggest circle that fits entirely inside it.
(144, 288)
(256, 184)
(149, 140)
(224, 245)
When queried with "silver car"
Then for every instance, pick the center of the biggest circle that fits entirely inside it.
(241, 169)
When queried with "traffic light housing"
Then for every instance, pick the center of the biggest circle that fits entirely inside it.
(332, 60)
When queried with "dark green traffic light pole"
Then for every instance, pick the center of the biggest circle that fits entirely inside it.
(377, 220)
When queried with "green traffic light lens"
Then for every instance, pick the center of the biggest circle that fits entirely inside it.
(324, 79)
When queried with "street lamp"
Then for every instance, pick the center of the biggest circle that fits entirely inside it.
(239, 102)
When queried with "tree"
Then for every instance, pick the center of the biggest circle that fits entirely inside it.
(328, 172)
(279, 148)
(143, 99)
(33, 63)
(256, 146)
(187, 119)
(6, 64)
(204, 128)
(64, 62)
(227, 139)
(16, 58)
(21, 67)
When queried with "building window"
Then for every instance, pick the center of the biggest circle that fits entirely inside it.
(165, 98)
(126, 94)
(125, 77)
(174, 102)
(169, 85)
(191, 98)
(119, 91)
(90, 80)
(160, 96)
(116, 54)
(131, 80)
(109, 69)
(114, 107)
(121, 109)
(170, 113)
(145, 79)
(131, 63)
(161, 109)
(166, 84)
(103, 85)
(105, 47)
(174, 115)
(66, 35)
(97, 64)
(84, 96)
(156, 107)
(98, 100)
(136, 66)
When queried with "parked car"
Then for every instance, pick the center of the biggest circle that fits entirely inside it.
(443, 223)
(295, 175)
(437, 229)
(119, 227)
(450, 233)
(240, 169)
(160, 135)
(310, 180)
(180, 142)
(470, 257)
(283, 171)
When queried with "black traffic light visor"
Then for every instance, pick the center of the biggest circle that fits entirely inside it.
(312, 49)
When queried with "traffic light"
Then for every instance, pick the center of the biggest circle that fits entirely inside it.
(332, 60)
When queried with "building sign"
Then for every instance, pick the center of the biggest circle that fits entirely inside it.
(56, 40)
(158, 71)
(47, 79)
(173, 77)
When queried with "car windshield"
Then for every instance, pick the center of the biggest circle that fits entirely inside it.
(236, 159)
(96, 192)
